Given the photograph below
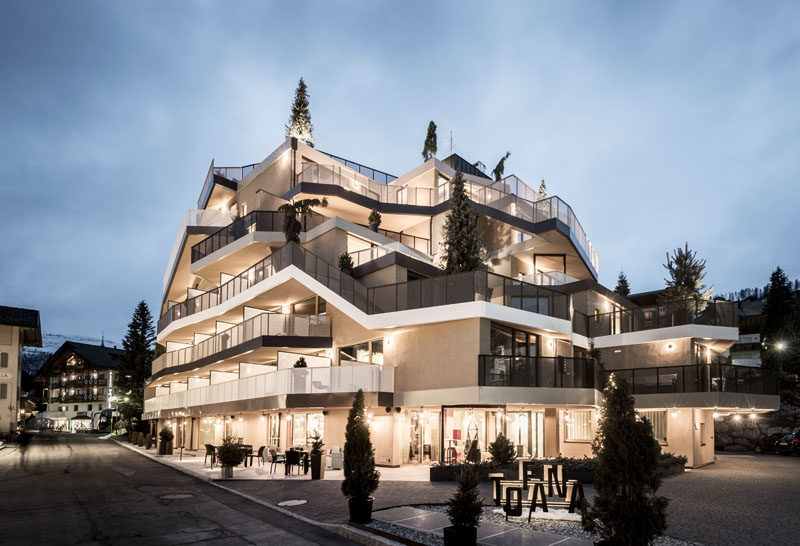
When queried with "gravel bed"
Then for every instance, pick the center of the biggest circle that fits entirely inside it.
(564, 528)
(429, 539)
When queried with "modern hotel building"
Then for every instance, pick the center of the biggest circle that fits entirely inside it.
(444, 360)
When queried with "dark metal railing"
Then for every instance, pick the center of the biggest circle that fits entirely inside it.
(537, 371)
(369, 172)
(258, 220)
(444, 290)
(649, 317)
(466, 287)
(700, 378)
(412, 241)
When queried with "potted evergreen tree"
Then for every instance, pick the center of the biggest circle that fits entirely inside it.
(346, 264)
(502, 450)
(318, 458)
(360, 476)
(165, 446)
(229, 454)
(464, 509)
(374, 220)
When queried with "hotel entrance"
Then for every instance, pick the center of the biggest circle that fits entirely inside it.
(420, 429)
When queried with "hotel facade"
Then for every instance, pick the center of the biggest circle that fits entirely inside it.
(446, 361)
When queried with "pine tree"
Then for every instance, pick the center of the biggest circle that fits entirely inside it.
(292, 226)
(299, 125)
(429, 149)
(500, 169)
(465, 507)
(542, 190)
(360, 476)
(625, 509)
(782, 323)
(686, 273)
(623, 289)
(461, 238)
(136, 364)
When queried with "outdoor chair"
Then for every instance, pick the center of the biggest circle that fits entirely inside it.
(292, 459)
(259, 455)
(212, 452)
(275, 459)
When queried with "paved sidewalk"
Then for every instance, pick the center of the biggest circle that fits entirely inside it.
(488, 533)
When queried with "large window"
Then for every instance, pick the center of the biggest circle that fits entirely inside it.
(506, 341)
(658, 419)
(305, 426)
(578, 425)
(3, 360)
(3, 391)
(369, 352)
(274, 430)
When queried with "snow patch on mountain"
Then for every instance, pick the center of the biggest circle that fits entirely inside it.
(34, 357)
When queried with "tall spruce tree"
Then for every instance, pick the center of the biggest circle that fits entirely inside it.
(299, 125)
(462, 246)
(500, 169)
(686, 275)
(622, 288)
(625, 509)
(542, 190)
(135, 364)
(429, 149)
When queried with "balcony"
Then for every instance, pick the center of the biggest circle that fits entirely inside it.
(537, 371)
(304, 381)
(497, 196)
(265, 324)
(710, 313)
(700, 378)
(234, 174)
(255, 221)
(444, 290)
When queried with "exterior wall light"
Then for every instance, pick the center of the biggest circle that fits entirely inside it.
(715, 415)
(670, 346)
(286, 308)
(753, 416)
(737, 417)
(674, 413)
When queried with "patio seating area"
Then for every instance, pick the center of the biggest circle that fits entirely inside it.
(269, 464)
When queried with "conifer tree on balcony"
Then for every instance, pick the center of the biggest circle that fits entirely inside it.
(625, 509)
(500, 169)
(136, 364)
(542, 190)
(429, 149)
(462, 245)
(686, 272)
(299, 125)
(623, 288)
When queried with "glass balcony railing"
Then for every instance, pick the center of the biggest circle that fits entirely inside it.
(700, 378)
(336, 379)
(537, 371)
(265, 324)
(411, 241)
(493, 195)
(255, 221)
(711, 313)
(234, 174)
(444, 290)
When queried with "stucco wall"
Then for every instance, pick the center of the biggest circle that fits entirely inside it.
(9, 344)
(657, 353)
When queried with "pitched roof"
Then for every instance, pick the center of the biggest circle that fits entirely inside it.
(24, 318)
(96, 356)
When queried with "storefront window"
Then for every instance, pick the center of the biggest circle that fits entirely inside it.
(420, 430)
(658, 420)
(304, 427)
(578, 425)
(465, 434)
(274, 430)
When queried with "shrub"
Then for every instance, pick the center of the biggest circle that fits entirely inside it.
(374, 217)
(360, 476)
(464, 508)
(502, 450)
(625, 508)
(316, 444)
(165, 435)
(230, 453)
(148, 441)
(346, 263)
(301, 363)
(132, 437)
(139, 439)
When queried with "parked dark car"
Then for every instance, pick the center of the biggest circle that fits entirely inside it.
(789, 444)
(769, 444)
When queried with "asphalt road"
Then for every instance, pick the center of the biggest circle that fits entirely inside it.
(64, 490)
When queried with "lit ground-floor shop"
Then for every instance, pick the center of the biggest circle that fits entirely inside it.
(427, 434)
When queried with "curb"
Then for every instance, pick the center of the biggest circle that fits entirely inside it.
(341, 529)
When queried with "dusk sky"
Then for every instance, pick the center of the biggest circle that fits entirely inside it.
(659, 123)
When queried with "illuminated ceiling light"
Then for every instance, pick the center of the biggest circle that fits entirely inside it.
(715, 415)
(737, 417)
(753, 416)
(670, 346)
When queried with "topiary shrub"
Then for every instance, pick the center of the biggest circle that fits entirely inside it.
(230, 453)
(360, 476)
(166, 435)
(148, 441)
(502, 450)
(346, 263)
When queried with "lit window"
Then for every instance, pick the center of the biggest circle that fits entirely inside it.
(354, 353)
(578, 425)
(658, 420)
